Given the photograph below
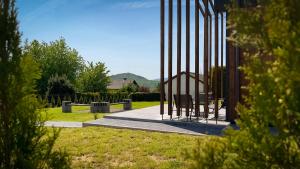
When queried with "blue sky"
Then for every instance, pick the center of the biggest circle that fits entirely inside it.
(124, 34)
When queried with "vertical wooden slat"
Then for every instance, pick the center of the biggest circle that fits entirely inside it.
(162, 56)
(170, 43)
(210, 53)
(222, 41)
(216, 64)
(178, 54)
(187, 55)
(197, 59)
(206, 58)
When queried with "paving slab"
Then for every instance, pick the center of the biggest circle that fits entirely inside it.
(149, 119)
(152, 114)
(182, 128)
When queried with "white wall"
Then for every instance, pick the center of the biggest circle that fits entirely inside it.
(183, 88)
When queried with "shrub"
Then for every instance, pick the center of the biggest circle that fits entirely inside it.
(269, 134)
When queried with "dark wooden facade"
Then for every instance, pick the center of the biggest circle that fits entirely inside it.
(212, 12)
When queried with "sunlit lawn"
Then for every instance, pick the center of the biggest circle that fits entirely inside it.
(99, 147)
(81, 113)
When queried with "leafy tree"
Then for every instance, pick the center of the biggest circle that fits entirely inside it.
(55, 58)
(24, 141)
(60, 86)
(269, 134)
(94, 78)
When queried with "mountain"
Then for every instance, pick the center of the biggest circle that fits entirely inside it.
(142, 81)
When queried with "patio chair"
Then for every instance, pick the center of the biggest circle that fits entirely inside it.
(212, 105)
(184, 99)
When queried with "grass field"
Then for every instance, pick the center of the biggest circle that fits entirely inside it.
(99, 147)
(81, 113)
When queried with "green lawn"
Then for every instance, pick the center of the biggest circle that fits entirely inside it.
(81, 113)
(100, 147)
(138, 105)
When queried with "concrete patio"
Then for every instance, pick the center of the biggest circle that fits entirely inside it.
(150, 119)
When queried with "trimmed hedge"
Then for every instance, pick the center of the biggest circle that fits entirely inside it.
(140, 96)
(86, 98)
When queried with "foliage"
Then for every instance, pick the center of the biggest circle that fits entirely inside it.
(99, 97)
(53, 104)
(269, 135)
(130, 88)
(140, 96)
(24, 141)
(58, 101)
(55, 58)
(60, 86)
(76, 99)
(94, 78)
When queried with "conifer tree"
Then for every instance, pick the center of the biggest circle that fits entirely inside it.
(81, 100)
(23, 143)
(53, 104)
(58, 101)
(75, 99)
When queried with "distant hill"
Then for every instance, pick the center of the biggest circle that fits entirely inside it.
(142, 81)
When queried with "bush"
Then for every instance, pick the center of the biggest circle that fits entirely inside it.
(100, 97)
(269, 134)
(140, 96)
(60, 86)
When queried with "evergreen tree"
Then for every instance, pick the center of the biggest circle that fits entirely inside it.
(69, 98)
(58, 101)
(269, 134)
(53, 102)
(23, 143)
(81, 100)
(75, 99)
